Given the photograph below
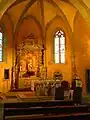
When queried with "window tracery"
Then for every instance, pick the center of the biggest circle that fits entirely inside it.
(59, 47)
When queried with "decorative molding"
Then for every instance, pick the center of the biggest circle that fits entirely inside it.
(30, 36)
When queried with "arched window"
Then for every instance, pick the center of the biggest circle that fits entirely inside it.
(59, 47)
(1, 46)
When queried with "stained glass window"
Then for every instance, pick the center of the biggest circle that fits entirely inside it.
(59, 47)
(1, 38)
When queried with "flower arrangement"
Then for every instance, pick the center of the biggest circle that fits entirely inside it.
(57, 75)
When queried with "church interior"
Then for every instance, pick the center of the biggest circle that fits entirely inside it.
(36, 22)
(42, 39)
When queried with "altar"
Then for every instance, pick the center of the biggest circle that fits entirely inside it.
(29, 63)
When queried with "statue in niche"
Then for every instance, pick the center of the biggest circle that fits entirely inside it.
(29, 72)
(22, 65)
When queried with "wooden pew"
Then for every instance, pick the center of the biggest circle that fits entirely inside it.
(37, 108)
(79, 116)
(45, 110)
(5, 104)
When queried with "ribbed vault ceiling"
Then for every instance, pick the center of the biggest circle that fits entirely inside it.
(51, 8)
(17, 9)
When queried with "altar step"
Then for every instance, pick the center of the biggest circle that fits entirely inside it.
(36, 104)
(21, 90)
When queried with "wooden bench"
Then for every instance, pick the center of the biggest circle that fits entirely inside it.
(46, 108)
(84, 116)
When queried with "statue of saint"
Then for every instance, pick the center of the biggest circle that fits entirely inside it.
(29, 71)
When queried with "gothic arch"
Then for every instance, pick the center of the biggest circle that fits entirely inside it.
(50, 22)
(32, 18)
